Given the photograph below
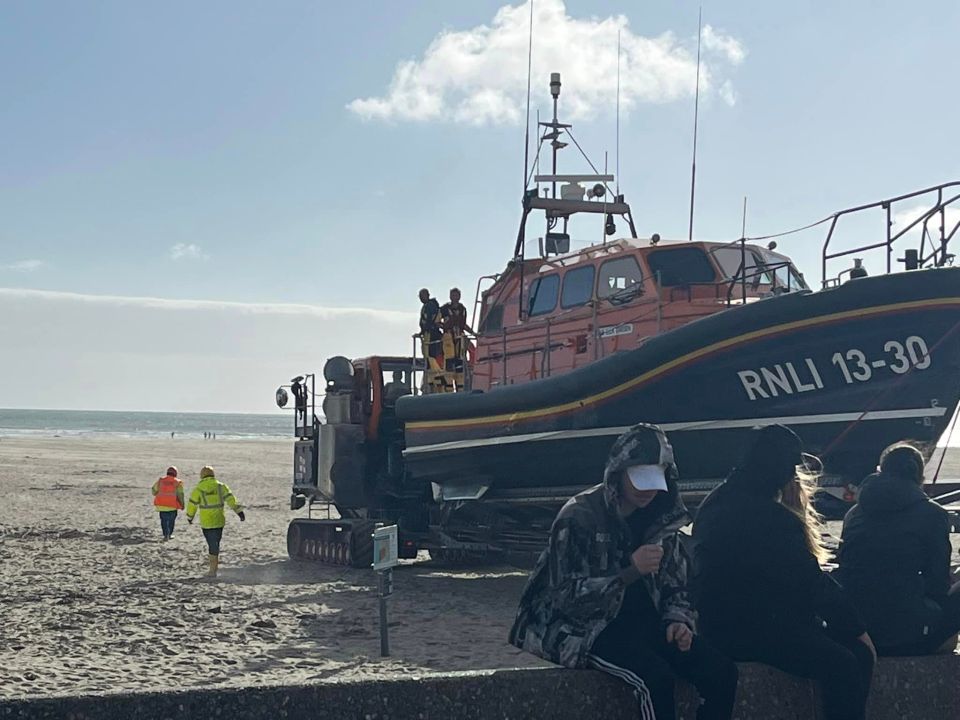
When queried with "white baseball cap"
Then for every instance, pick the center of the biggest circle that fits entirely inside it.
(647, 477)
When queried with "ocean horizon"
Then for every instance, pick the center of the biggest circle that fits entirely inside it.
(16, 422)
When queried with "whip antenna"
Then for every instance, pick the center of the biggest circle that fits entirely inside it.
(618, 111)
(526, 143)
(696, 109)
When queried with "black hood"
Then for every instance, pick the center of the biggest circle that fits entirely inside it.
(883, 493)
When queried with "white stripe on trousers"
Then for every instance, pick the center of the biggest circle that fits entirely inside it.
(644, 700)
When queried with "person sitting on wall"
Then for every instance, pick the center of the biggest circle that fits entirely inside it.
(610, 590)
(760, 591)
(895, 559)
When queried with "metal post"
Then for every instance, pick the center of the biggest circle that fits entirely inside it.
(504, 356)
(384, 581)
(549, 349)
(385, 541)
(889, 243)
(413, 367)
(743, 269)
(659, 304)
(596, 331)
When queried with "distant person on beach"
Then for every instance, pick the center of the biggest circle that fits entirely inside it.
(761, 594)
(610, 590)
(210, 496)
(895, 559)
(168, 500)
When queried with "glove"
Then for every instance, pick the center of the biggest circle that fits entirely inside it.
(241, 516)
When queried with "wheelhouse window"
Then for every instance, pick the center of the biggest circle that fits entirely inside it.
(681, 266)
(493, 320)
(577, 287)
(787, 275)
(618, 276)
(543, 294)
(729, 259)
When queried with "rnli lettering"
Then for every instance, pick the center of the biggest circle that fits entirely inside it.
(852, 366)
(781, 379)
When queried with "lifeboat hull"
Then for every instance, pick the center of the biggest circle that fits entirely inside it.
(851, 369)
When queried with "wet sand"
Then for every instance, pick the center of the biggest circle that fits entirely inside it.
(92, 601)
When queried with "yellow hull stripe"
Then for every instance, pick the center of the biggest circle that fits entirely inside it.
(666, 367)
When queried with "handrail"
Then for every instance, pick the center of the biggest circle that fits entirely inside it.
(939, 207)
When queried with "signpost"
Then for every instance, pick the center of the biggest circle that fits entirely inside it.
(384, 559)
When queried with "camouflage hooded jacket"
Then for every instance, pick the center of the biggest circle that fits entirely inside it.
(578, 584)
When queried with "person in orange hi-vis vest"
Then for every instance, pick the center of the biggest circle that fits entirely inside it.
(168, 500)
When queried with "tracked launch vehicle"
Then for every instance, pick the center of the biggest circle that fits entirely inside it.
(708, 340)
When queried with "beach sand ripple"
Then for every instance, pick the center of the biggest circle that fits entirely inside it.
(93, 601)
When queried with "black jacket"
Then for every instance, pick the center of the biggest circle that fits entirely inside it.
(895, 559)
(755, 577)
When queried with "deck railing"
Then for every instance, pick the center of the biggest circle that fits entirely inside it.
(936, 254)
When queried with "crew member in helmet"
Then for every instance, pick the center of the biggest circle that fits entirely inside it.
(453, 319)
(430, 332)
(168, 500)
(210, 496)
(610, 590)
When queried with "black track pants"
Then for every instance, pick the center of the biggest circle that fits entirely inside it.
(638, 654)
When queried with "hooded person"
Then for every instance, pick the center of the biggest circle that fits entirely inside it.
(610, 590)
(760, 591)
(210, 496)
(894, 559)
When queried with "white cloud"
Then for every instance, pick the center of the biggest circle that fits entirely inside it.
(185, 251)
(317, 311)
(727, 93)
(140, 353)
(23, 266)
(903, 218)
(724, 45)
(479, 76)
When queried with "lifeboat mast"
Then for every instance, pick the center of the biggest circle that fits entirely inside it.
(574, 198)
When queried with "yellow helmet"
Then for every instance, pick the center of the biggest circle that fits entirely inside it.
(206, 472)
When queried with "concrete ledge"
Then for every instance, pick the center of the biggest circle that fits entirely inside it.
(904, 689)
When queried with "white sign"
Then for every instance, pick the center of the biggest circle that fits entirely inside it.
(385, 547)
(614, 330)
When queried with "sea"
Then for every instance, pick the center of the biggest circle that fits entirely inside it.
(104, 423)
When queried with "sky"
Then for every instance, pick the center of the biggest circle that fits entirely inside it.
(200, 200)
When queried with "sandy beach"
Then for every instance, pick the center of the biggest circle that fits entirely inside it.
(92, 601)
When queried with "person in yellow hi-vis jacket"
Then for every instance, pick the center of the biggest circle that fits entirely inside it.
(210, 496)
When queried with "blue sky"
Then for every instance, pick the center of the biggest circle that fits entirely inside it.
(216, 152)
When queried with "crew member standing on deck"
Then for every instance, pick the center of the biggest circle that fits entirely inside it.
(210, 496)
(430, 334)
(168, 500)
(453, 318)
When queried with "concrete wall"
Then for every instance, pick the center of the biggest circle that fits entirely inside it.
(904, 689)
